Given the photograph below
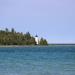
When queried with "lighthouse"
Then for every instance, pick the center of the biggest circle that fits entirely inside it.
(36, 40)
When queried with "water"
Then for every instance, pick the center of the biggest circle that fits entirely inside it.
(57, 60)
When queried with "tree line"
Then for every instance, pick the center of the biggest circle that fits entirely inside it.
(18, 38)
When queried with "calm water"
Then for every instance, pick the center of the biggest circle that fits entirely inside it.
(58, 60)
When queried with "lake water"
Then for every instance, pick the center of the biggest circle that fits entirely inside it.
(56, 60)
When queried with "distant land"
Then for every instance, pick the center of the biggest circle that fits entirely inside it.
(62, 44)
(18, 38)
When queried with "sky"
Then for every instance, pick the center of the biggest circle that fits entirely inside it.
(53, 20)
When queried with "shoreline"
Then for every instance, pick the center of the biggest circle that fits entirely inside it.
(50, 45)
(23, 46)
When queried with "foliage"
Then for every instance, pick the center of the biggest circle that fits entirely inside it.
(16, 38)
(43, 42)
(12, 30)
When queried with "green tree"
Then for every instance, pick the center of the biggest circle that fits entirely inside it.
(17, 38)
(6, 30)
(27, 35)
(12, 30)
(43, 42)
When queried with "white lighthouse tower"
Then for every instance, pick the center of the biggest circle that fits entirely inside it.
(36, 40)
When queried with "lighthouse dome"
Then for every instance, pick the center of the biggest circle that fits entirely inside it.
(36, 36)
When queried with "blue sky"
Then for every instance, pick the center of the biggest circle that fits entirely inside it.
(51, 19)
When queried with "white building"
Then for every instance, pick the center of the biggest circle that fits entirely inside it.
(36, 40)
